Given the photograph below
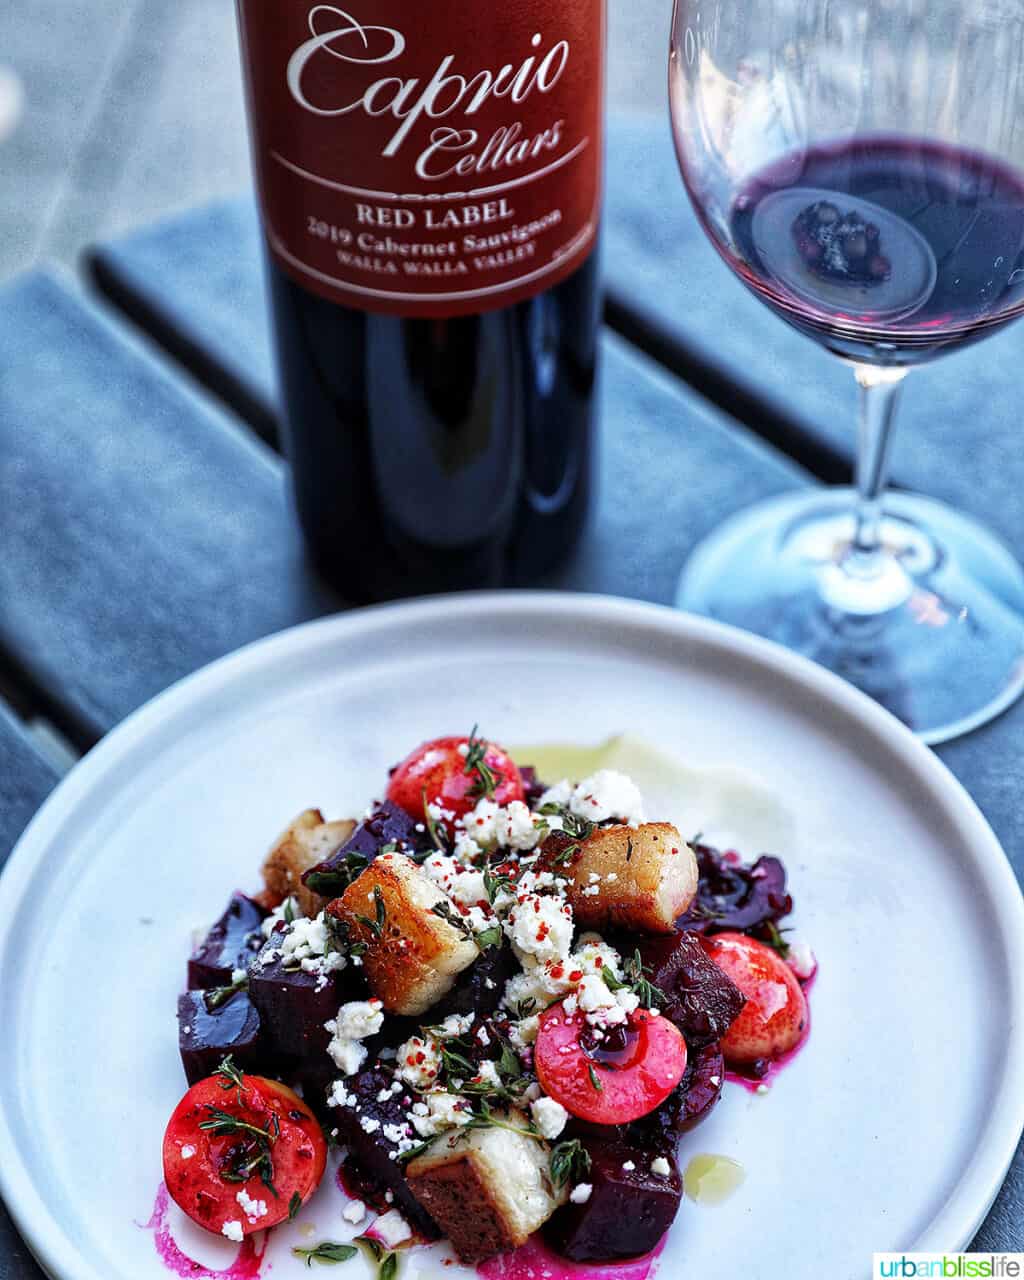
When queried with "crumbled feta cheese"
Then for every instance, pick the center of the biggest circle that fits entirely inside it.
(456, 1024)
(339, 1096)
(419, 1061)
(515, 829)
(540, 928)
(480, 824)
(608, 794)
(580, 1194)
(438, 813)
(237, 976)
(233, 1230)
(391, 1229)
(354, 1212)
(801, 960)
(628, 1166)
(488, 1074)
(594, 955)
(444, 1111)
(309, 943)
(279, 915)
(762, 1089)
(369, 1124)
(253, 1209)
(524, 1033)
(594, 993)
(549, 1116)
(187, 1152)
(661, 1167)
(559, 795)
(355, 1021)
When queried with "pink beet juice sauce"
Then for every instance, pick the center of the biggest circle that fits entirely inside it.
(535, 1261)
(247, 1266)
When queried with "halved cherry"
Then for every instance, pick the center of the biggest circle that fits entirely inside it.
(774, 1019)
(610, 1076)
(454, 773)
(238, 1149)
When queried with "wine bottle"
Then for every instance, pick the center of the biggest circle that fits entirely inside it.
(429, 178)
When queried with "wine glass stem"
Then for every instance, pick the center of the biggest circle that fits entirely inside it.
(879, 396)
(868, 579)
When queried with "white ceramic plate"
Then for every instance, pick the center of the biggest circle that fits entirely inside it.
(892, 1130)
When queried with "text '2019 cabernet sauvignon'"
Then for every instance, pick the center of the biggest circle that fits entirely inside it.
(430, 184)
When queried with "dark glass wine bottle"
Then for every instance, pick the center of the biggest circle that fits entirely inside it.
(430, 193)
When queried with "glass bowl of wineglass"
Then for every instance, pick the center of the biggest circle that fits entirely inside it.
(859, 165)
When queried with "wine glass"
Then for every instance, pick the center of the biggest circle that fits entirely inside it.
(859, 164)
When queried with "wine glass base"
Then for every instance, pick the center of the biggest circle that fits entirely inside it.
(945, 655)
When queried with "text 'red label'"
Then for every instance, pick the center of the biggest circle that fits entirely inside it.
(429, 159)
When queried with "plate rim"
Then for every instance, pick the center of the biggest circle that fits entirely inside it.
(955, 1224)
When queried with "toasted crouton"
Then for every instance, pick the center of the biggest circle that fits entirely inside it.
(307, 841)
(632, 878)
(413, 954)
(487, 1189)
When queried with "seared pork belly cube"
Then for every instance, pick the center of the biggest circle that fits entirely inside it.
(206, 1036)
(413, 953)
(305, 843)
(636, 878)
(387, 825)
(231, 944)
(703, 1001)
(371, 1117)
(488, 1189)
(633, 1197)
(294, 1005)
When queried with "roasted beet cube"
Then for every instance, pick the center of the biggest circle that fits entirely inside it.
(387, 825)
(533, 788)
(370, 1117)
(629, 1210)
(733, 896)
(294, 1005)
(684, 1108)
(231, 944)
(313, 1078)
(701, 1000)
(479, 988)
(206, 1036)
(700, 1087)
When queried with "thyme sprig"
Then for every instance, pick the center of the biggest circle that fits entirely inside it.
(449, 915)
(595, 1079)
(476, 762)
(332, 883)
(635, 979)
(775, 939)
(570, 1162)
(483, 1117)
(437, 833)
(327, 1252)
(215, 997)
(375, 925)
(387, 1261)
(253, 1154)
(231, 1078)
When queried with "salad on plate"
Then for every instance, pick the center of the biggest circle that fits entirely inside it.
(491, 1008)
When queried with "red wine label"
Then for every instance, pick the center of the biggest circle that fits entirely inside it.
(434, 158)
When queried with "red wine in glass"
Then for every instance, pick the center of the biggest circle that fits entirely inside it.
(883, 248)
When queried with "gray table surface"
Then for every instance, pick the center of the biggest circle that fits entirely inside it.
(113, 409)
